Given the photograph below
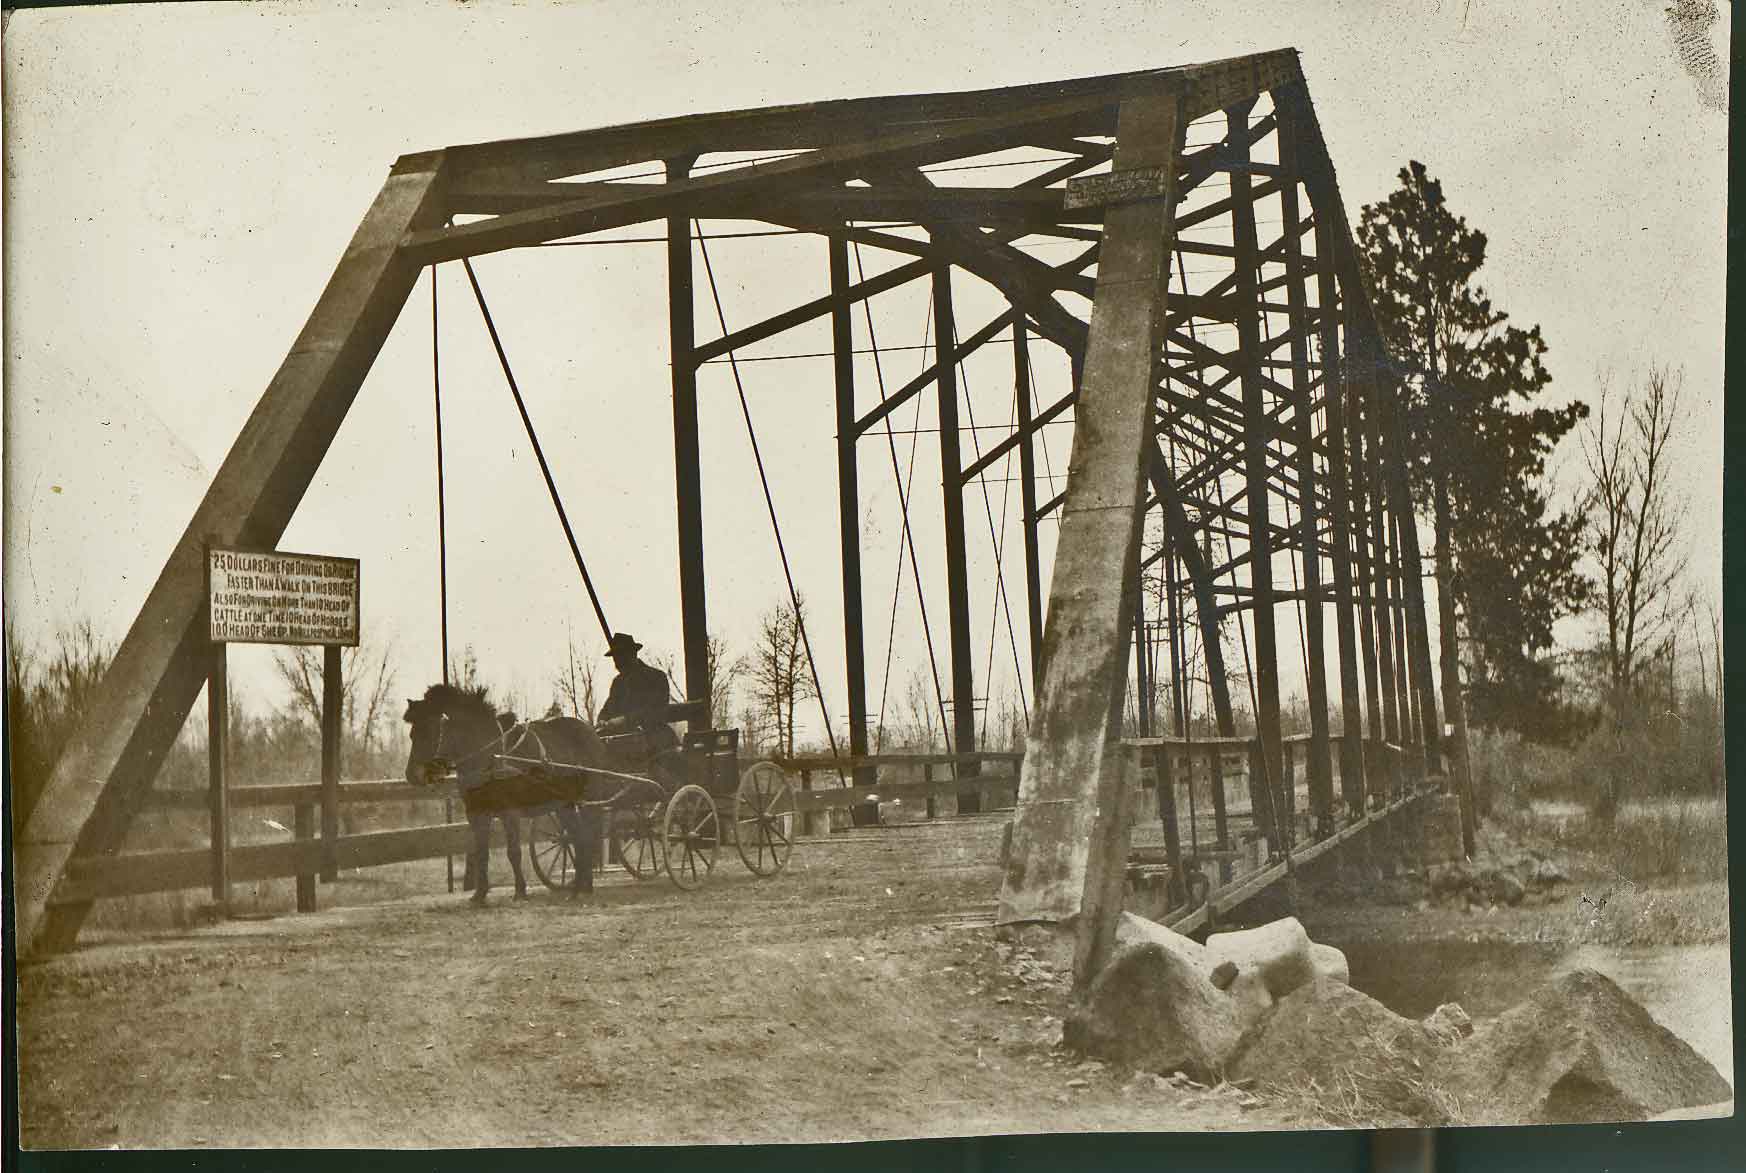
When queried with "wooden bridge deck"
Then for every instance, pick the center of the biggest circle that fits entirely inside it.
(1246, 885)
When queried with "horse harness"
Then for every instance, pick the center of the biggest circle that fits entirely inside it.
(502, 747)
(499, 746)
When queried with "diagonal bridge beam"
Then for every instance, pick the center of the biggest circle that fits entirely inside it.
(159, 668)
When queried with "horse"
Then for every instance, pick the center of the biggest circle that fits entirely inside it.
(457, 730)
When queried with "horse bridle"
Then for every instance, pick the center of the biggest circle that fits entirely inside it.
(500, 745)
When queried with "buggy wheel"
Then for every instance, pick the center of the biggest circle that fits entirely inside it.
(636, 839)
(764, 819)
(550, 851)
(690, 835)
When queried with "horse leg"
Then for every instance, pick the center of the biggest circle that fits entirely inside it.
(481, 855)
(512, 833)
(581, 829)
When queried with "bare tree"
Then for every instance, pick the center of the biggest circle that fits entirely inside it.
(1008, 724)
(366, 684)
(575, 683)
(754, 724)
(725, 673)
(777, 672)
(47, 697)
(915, 729)
(464, 673)
(1632, 533)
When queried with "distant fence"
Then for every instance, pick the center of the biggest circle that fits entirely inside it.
(830, 783)
(308, 855)
(993, 776)
(304, 857)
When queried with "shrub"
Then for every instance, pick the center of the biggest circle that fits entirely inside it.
(47, 694)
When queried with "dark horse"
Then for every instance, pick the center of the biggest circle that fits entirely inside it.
(457, 730)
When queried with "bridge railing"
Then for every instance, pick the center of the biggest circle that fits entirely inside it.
(1221, 820)
(304, 856)
(853, 783)
(1220, 824)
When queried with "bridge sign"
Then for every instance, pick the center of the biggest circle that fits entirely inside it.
(1129, 186)
(270, 597)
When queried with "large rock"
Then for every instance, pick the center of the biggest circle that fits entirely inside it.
(1249, 995)
(1152, 1008)
(1367, 1063)
(1579, 1049)
(1448, 1023)
(1137, 930)
(1278, 950)
(1507, 888)
(1330, 963)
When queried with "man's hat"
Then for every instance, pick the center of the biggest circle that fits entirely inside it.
(623, 644)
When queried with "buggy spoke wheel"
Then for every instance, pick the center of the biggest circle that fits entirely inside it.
(764, 819)
(637, 835)
(550, 851)
(690, 835)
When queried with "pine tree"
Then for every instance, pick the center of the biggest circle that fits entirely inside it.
(1478, 438)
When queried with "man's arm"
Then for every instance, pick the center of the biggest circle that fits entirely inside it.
(614, 704)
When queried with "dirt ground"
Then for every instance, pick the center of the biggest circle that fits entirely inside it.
(858, 995)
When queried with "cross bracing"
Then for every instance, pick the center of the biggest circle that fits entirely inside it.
(1176, 234)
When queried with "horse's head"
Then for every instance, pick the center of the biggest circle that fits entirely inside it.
(448, 726)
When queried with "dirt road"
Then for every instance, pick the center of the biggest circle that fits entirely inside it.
(858, 995)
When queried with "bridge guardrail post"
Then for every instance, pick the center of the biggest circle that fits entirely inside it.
(1215, 757)
(303, 827)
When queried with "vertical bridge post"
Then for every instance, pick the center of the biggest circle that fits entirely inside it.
(1069, 842)
(957, 572)
(1276, 822)
(1317, 764)
(849, 505)
(1021, 359)
(687, 473)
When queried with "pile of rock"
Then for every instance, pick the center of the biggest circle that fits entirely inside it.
(1578, 1049)
(1526, 878)
(1270, 1007)
(1505, 876)
(1168, 1003)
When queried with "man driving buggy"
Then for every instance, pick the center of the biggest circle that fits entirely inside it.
(637, 700)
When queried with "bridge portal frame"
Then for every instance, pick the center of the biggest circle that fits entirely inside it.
(1155, 433)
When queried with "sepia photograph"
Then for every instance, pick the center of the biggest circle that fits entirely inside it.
(587, 573)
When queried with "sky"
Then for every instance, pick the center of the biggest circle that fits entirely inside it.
(181, 179)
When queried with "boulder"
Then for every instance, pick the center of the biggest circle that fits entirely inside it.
(1579, 1049)
(1223, 974)
(1548, 874)
(1137, 930)
(1448, 1023)
(1279, 950)
(1448, 878)
(1151, 1008)
(1249, 995)
(1330, 963)
(1368, 1061)
(1507, 888)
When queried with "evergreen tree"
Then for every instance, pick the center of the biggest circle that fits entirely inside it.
(1478, 438)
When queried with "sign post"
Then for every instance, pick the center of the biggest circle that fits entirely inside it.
(331, 700)
(272, 597)
(218, 772)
